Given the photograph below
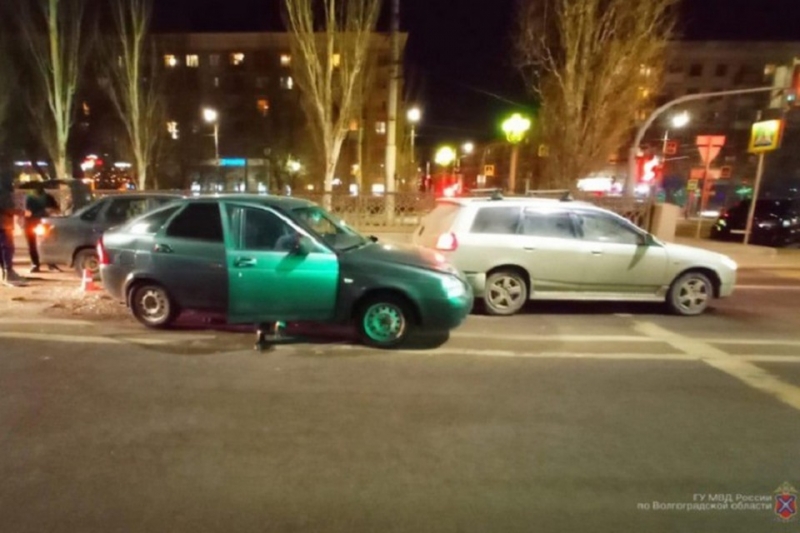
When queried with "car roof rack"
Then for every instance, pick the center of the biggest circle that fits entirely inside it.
(495, 193)
(564, 195)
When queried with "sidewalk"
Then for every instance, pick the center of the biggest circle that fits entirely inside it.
(745, 256)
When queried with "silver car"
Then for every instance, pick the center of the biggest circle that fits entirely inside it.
(516, 249)
(72, 240)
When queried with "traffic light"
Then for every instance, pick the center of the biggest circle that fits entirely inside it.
(671, 148)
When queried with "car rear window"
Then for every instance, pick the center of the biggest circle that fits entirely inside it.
(150, 224)
(440, 220)
(500, 220)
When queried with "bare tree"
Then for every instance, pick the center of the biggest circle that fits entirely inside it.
(595, 65)
(57, 40)
(330, 65)
(133, 84)
(6, 87)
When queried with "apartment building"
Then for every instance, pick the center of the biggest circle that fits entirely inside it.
(248, 80)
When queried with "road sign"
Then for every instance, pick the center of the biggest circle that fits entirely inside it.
(671, 148)
(725, 172)
(691, 185)
(544, 150)
(488, 171)
(766, 136)
(710, 147)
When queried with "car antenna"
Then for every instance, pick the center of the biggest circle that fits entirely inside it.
(494, 193)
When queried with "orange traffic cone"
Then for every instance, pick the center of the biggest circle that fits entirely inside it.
(87, 281)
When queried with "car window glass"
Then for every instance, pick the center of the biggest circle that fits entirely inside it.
(123, 209)
(90, 215)
(198, 221)
(554, 224)
(261, 230)
(603, 228)
(150, 224)
(496, 220)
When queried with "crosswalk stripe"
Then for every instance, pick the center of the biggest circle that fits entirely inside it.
(734, 366)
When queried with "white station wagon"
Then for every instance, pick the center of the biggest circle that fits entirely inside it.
(516, 249)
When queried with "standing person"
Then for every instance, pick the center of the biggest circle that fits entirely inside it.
(7, 212)
(38, 205)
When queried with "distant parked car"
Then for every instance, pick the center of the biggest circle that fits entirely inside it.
(517, 249)
(776, 223)
(72, 240)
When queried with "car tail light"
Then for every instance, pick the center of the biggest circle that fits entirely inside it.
(42, 230)
(102, 253)
(447, 242)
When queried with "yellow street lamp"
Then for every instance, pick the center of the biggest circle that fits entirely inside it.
(445, 156)
(515, 127)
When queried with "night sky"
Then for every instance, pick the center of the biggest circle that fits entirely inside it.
(459, 64)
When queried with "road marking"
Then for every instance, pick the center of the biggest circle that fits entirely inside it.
(767, 288)
(78, 339)
(736, 367)
(546, 338)
(612, 338)
(46, 322)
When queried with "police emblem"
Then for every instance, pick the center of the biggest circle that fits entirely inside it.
(785, 502)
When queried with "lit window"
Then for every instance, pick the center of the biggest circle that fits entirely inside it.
(172, 129)
(86, 110)
(286, 60)
(287, 83)
(769, 70)
(213, 60)
(645, 71)
(336, 60)
(263, 106)
(193, 61)
(353, 125)
(380, 127)
(216, 82)
(237, 59)
(170, 61)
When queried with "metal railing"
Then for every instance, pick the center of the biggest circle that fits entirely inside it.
(369, 212)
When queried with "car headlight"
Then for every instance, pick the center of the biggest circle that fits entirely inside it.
(453, 287)
(729, 263)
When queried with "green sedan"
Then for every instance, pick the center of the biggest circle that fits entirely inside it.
(265, 259)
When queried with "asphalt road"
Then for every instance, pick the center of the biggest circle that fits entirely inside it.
(570, 417)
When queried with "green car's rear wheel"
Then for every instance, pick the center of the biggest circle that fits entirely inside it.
(385, 321)
(152, 305)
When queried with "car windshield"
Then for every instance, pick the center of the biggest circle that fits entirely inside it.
(334, 231)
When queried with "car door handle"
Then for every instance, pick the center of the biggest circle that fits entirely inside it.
(597, 252)
(244, 262)
(163, 248)
(529, 248)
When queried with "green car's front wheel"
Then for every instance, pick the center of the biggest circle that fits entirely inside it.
(385, 321)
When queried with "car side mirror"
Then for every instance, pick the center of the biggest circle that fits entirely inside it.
(645, 240)
(303, 245)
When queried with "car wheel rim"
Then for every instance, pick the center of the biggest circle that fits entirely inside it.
(384, 323)
(505, 293)
(693, 295)
(154, 305)
(91, 263)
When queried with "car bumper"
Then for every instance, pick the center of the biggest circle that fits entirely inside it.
(447, 313)
(477, 281)
(726, 289)
(52, 254)
(113, 279)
